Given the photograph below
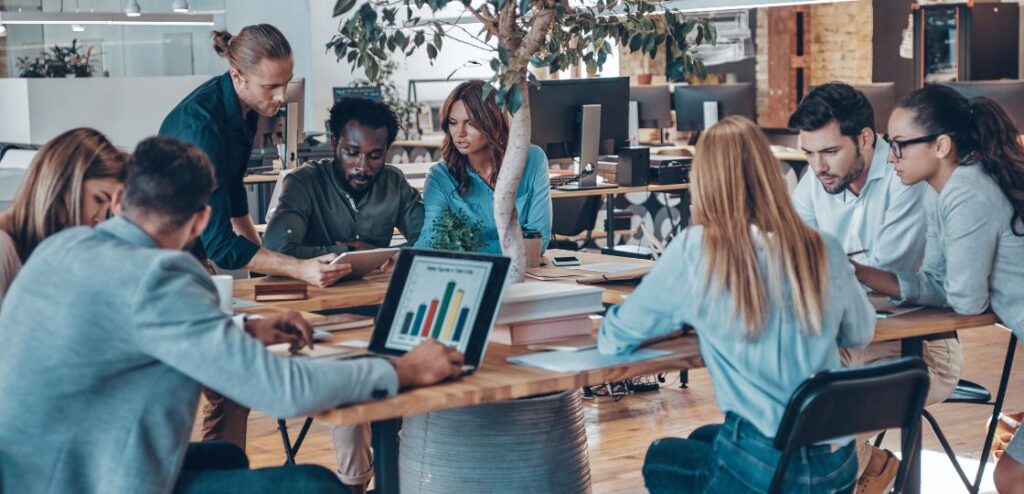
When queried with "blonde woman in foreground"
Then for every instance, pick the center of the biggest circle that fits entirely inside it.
(772, 300)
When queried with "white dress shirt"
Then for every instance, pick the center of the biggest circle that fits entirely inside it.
(887, 218)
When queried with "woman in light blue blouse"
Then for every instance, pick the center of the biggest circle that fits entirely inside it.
(476, 133)
(970, 153)
(772, 300)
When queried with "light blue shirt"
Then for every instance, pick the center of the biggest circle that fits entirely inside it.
(752, 378)
(533, 201)
(887, 218)
(973, 260)
(106, 341)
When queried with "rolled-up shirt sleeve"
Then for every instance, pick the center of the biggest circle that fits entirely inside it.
(177, 321)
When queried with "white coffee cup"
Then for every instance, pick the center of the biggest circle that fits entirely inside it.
(225, 288)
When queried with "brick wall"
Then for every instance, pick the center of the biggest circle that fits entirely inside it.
(841, 42)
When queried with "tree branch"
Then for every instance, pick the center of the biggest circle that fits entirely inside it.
(483, 16)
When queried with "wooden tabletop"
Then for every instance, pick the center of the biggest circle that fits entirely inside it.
(498, 380)
(418, 144)
(260, 178)
(929, 321)
(685, 149)
(371, 289)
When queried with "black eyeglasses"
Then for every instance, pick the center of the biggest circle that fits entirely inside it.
(897, 146)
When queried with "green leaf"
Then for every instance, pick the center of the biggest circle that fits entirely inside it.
(636, 42)
(343, 6)
(515, 99)
(503, 55)
(486, 91)
(591, 68)
(352, 56)
(419, 38)
(431, 51)
(438, 38)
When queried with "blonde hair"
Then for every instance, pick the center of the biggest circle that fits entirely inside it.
(50, 197)
(738, 186)
(250, 46)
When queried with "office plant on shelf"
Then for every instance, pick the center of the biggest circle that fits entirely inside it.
(514, 35)
(453, 230)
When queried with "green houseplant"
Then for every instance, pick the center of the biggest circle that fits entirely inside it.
(514, 35)
(59, 61)
(453, 230)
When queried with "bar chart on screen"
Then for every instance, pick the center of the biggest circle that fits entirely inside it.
(440, 301)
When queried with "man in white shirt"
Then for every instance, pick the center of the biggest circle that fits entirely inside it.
(850, 190)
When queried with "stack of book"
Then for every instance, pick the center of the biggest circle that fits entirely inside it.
(540, 312)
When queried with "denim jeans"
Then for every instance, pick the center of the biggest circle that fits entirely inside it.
(735, 458)
(212, 467)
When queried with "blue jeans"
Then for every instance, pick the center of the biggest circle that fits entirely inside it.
(223, 467)
(735, 458)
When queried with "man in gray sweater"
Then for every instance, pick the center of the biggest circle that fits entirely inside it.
(110, 332)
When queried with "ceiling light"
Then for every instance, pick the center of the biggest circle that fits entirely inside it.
(107, 18)
(180, 6)
(77, 28)
(133, 9)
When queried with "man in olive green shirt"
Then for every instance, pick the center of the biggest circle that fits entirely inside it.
(351, 202)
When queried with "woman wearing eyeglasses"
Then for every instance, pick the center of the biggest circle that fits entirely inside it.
(970, 153)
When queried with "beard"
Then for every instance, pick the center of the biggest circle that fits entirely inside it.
(843, 182)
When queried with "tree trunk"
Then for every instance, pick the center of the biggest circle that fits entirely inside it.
(510, 233)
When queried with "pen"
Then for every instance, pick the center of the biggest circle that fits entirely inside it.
(862, 251)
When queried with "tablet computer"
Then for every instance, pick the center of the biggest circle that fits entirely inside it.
(452, 297)
(364, 261)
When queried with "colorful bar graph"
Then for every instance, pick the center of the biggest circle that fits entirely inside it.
(462, 322)
(446, 335)
(414, 330)
(443, 313)
(430, 318)
(407, 323)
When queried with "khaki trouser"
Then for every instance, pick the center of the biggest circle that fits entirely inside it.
(944, 359)
(225, 420)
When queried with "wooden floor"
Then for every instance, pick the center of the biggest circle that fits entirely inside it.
(619, 432)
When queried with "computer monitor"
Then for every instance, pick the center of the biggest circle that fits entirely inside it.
(733, 99)
(655, 105)
(882, 96)
(365, 92)
(286, 128)
(556, 114)
(1008, 93)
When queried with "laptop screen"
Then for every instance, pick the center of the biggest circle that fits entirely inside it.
(441, 300)
(451, 297)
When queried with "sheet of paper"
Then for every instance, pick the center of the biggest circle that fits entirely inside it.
(607, 267)
(354, 343)
(884, 308)
(583, 360)
(240, 303)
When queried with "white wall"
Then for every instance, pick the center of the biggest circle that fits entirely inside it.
(15, 115)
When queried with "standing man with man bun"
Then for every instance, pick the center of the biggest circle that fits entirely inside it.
(220, 117)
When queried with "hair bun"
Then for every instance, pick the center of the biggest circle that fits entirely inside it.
(221, 42)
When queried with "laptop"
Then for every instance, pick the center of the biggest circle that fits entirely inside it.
(452, 297)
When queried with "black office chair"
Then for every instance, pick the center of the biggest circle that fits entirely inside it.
(972, 393)
(849, 401)
(572, 216)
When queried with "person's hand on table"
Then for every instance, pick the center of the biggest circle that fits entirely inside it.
(429, 363)
(389, 266)
(289, 328)
(318, 271)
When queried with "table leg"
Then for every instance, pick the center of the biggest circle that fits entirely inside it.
(609, 223)
(913, 347)
(385, 455)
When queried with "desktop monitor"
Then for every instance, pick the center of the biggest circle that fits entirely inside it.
(882, 96)
(556, 114)
(733, 99)
(366, 92)
(1008, 93)
(655, 105)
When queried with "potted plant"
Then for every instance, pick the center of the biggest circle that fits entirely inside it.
(514, 35)
(58, 61)
(453, 230)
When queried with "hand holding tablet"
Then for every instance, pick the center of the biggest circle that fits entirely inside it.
(364, 261)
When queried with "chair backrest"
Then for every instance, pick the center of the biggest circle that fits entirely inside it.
(275, 197)
(574, 215)
(838, 403)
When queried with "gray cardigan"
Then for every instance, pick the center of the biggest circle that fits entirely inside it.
(972, 259)
(106, 340)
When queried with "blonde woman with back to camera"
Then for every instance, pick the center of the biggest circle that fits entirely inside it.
(772, 300)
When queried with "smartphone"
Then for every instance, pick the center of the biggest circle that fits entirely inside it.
(565, 261)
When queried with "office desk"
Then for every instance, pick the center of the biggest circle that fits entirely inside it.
(782, 154)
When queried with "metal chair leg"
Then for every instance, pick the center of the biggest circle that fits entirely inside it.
(947, 448)
(879, 438)
(291, 450)
(996, 409)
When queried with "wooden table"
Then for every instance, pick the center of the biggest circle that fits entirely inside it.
(784, 154)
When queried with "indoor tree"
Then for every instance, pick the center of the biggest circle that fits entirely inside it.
(515, 34)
